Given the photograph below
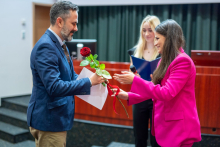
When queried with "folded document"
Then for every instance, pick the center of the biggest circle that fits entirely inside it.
(98, 93)
(145, 68)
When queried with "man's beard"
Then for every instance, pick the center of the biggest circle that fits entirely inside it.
(66, 33)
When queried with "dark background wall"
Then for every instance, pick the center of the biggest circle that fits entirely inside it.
(116, 28)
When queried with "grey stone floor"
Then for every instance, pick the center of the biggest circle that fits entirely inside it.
(21, 144)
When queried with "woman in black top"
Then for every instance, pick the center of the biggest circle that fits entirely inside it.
(142, 112)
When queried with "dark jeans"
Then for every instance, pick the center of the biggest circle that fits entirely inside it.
(142, 112)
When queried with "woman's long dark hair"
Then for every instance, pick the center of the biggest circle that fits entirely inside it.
(174, 39)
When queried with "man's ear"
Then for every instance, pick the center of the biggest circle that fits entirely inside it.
(60, 22)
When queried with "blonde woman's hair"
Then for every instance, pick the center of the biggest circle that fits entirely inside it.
(153, 21)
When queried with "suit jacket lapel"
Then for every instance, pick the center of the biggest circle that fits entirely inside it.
(54, 39)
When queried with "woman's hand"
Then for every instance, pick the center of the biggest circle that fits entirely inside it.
(137, 75)
(124, 78)
(122, 94)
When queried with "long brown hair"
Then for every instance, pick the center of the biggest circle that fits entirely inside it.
(174, 39)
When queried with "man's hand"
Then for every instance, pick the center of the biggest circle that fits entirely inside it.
(96, 79)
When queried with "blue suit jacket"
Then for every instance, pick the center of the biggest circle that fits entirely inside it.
(51, 107)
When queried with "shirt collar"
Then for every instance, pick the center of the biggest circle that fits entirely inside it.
(58, 38)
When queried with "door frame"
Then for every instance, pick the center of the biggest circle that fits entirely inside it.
(34, 4)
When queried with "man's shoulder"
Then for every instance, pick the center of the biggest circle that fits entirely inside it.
(43, 45)
(45, 39)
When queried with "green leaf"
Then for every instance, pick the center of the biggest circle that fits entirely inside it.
(95, 56)
(106, 74)
(88, 59)
(92, 65)
(99, 72)
(84, 63)
(91, 56)
(96, 62)
(102, 66)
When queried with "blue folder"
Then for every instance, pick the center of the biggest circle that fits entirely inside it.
(145, 68)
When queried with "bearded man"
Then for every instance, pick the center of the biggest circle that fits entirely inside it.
(51, 108)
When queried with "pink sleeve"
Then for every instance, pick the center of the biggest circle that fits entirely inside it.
(142, 90)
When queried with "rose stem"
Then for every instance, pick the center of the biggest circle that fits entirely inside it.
(123, 106)
(120, 102)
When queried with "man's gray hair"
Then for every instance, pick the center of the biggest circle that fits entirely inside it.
(61, 9)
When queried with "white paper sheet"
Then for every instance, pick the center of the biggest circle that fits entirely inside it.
(98, 93)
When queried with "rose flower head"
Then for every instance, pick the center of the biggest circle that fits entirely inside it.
(85, 51)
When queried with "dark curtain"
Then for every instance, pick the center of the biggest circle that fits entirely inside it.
(116, 28)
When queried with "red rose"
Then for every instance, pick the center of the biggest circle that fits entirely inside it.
(85, 51)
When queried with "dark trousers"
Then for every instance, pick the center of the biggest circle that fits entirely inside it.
(142, 112)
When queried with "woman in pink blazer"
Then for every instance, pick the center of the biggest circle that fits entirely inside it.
(175, 117)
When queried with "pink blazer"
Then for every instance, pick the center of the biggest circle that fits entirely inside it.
(175, 117)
